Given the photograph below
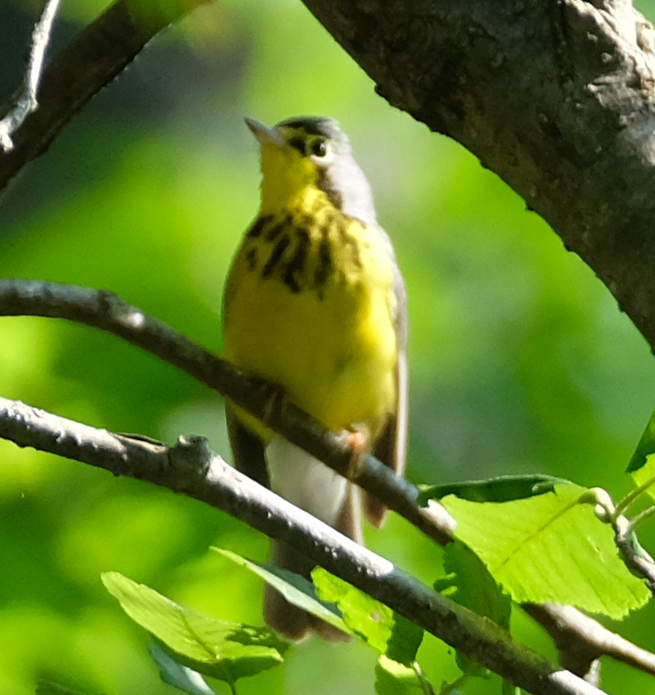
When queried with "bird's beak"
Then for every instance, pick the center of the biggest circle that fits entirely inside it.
(265, 135)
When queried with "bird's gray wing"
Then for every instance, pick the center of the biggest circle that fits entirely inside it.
(391, 446)
(247, 448)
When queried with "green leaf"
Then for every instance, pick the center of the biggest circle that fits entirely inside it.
(371, 620)
(550, 548)
(295, 588)
(364, 615)
(483, 596)
(392, 678)
(380, 626)
(502, 489)
(642, 463)
(645, 447)
(470, 584)
(179, 676)
(217, 648)
(645, 475)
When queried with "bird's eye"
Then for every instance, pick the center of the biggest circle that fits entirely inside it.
(317, 148)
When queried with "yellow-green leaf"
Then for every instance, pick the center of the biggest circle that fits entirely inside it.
(550, 548)
(217, 648)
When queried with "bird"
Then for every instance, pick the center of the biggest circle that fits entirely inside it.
(315, 303)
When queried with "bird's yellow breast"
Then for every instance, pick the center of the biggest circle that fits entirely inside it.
(309, 305)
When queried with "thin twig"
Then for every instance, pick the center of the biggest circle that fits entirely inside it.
(624, 504)
(641, 517)
(27, 100)
(634, 556)
(191, 469)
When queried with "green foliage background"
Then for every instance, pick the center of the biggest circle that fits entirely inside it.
(520, 360)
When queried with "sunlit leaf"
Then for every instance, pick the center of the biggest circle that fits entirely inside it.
(221, 649)
(380, 626)
(550, 548)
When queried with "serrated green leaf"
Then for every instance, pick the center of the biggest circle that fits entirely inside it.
(176, 674)
(217, 648)
(380, 626)
(392, 678)
(501, 489)
(295, 588)
(550, 548)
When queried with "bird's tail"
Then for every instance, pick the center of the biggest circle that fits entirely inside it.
(294, 622)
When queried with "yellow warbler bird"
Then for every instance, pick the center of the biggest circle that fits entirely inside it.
(315, 302)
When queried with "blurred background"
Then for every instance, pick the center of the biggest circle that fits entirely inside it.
(520, 360)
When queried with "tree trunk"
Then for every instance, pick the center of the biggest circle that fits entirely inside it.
(555, 96)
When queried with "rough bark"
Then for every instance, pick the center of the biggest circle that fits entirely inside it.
(555, 96)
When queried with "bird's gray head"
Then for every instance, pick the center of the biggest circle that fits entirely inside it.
(321, 142)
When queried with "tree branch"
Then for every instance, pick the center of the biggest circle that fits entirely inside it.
(581, 639)
(104, 310)
(191, 469)
(148, 461)
(82, 69)
(26, 102)
(556, 97)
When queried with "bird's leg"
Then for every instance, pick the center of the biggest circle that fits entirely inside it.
(357, 441)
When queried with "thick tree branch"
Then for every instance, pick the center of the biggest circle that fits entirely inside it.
(104, 310)
(191, 469)
(556, 97)
(83, 68)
